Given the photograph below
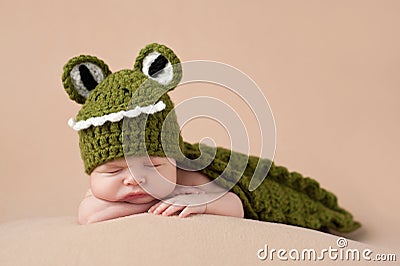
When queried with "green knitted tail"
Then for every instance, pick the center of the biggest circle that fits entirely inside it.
(283, 197)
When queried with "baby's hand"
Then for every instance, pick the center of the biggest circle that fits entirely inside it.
(178, 203)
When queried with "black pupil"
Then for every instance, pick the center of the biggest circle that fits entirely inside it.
(157, 65)
(87, 79)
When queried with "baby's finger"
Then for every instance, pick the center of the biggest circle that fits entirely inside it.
(152, 208)
(172, 209)
(193, 210)
(186, 212)
(161, 208)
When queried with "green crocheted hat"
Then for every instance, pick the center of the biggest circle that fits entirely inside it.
(127, 112)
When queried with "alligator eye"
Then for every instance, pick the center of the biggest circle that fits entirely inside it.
(85, 77)
(157, 67)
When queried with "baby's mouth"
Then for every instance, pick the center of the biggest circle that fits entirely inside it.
(134, 195)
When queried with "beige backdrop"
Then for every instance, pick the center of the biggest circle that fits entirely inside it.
(329, 69)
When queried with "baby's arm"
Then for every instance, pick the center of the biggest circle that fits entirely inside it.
(92, 209)
(199, 186)
(227, 205)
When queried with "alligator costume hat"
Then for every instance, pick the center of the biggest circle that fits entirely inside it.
(139, 95)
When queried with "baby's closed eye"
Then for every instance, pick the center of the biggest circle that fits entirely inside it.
(113, 171)
(153, 165)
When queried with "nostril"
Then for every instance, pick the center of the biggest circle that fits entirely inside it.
(130, 180)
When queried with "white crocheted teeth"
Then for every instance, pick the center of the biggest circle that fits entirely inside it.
(115, 117)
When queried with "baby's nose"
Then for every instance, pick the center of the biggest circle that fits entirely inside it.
(130, 180)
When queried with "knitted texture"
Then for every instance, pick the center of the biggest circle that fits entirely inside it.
(121, 91)
(283, 196)
(68, 82)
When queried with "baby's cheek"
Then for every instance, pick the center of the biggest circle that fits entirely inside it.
(169, 189)
(160, 182)
(103, 190)
(160, 189)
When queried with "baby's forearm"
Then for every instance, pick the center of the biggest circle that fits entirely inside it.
(228, 205)
(92, 210)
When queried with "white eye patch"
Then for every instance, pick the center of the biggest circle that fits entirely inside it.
(85, 78)
(158, 68)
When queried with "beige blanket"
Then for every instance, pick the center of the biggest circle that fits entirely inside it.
(146, 239)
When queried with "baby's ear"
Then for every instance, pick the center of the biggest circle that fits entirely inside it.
(81, 75)
(160, 63)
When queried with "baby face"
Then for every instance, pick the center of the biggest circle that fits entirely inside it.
(141, 180)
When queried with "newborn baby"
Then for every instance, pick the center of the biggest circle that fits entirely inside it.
(115, 192)
(129, 114)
